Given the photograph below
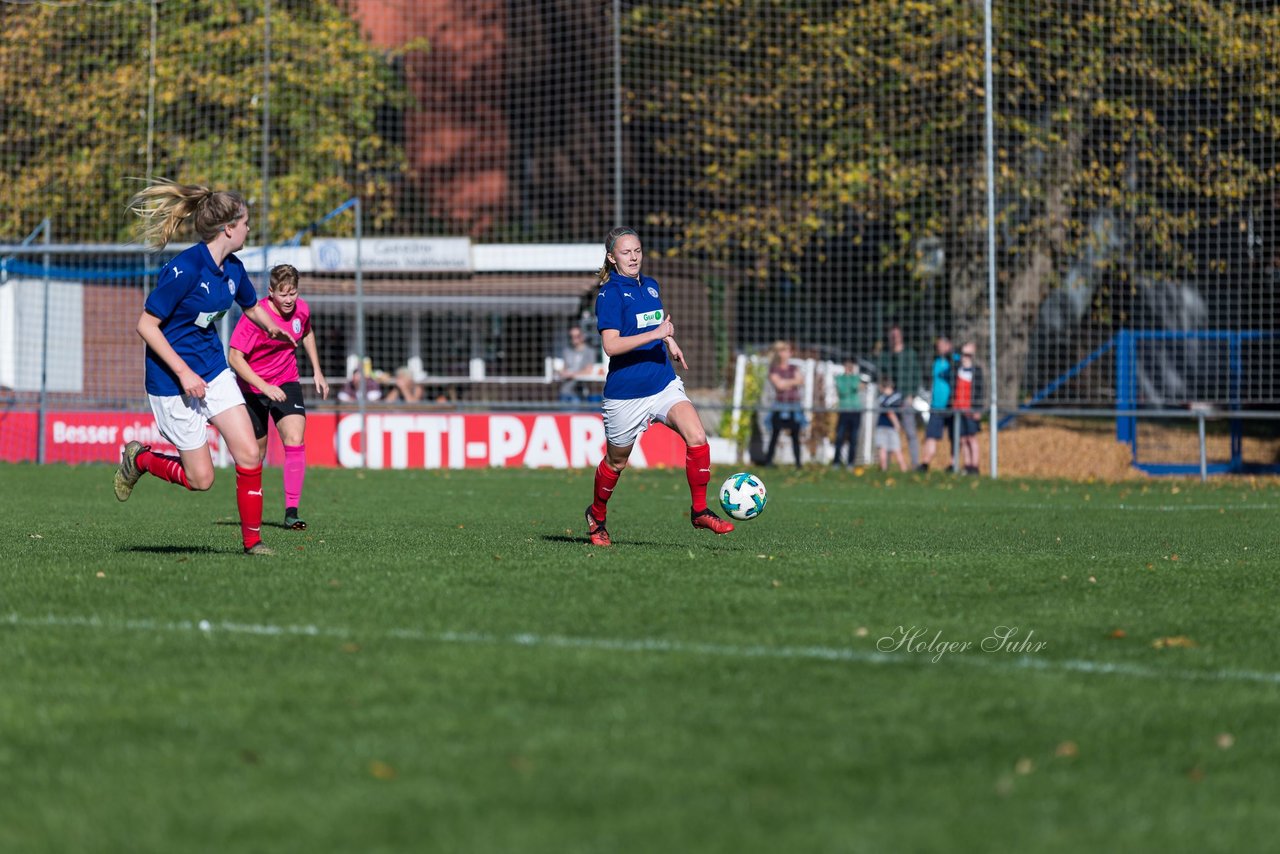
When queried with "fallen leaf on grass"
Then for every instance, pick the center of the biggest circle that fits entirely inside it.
(1174, 641)
(382, 770)
(1225, 740)
(1117, 634)
(1067, 750)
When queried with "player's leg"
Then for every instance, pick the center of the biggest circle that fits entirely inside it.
(684, 419)
(606, 480)
(181, 421)
(292, 429)
(237, 435)
(291, 421)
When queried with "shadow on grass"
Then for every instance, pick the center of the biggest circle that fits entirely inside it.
(582, 541)
(174, 550)
(280, 525)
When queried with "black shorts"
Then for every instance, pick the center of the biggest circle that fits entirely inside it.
(939, 425)
(260, 406)
(970, 426)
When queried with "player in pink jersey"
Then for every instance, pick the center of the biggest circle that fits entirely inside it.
(267, 371)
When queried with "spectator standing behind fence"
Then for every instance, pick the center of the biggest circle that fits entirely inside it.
(267, 372)
(787, 414)
(939, 400)
(902, 364)
(578, 360)
(849, 391)
(188, 381)
(968, 404)
(887, 439)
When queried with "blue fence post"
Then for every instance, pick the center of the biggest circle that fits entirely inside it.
(1126, 385)
(1237, 427)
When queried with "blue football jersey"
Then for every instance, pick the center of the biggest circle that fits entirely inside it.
(190, 297)
(634, 306)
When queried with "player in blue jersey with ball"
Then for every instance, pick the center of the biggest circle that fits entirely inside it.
(642, 386)
(187, 378)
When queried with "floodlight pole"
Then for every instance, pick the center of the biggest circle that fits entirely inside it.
(360, 389)
(44, 348)
(617, 110)
(264, 209)
(993, 363)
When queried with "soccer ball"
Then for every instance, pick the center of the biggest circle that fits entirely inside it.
(743, 496)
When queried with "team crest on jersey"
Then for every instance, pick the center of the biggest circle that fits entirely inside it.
(231, 287)
(297, 326)
(653, 292)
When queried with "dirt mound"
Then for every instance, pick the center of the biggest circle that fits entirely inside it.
(1082, 450)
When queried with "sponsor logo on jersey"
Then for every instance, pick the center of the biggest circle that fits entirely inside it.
(645, 319)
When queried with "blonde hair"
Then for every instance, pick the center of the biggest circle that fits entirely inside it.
(609, 240)
(778, 347)
(165, 205)
(283, 274)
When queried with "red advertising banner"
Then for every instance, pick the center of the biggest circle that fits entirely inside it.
(387, 439)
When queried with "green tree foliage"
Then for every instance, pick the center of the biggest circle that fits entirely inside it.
(74, 106)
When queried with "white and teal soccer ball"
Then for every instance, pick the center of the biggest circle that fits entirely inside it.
(743, 496)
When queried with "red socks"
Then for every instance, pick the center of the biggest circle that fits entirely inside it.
(249, 502)
(606, 480)
(697, 468)
(163, 466)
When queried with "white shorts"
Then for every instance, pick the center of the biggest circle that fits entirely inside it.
(184, 421)
(625, 420)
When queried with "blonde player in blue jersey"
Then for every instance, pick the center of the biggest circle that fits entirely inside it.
(188, 381)
(642, 386)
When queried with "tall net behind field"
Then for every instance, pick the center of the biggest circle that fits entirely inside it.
(814, 172)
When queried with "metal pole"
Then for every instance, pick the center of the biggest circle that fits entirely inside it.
(993, 378)
(151, 94)
(364, 433)
(617, 110)
(44, 349)
(265, 207)
(1204, 457)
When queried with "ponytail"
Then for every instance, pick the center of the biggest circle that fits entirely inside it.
(165, 205)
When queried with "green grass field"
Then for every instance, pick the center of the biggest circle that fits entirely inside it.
(441, 664)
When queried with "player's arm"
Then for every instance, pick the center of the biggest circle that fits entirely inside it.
(615, 343)
(309, 345)
(236, 359)
(677, 355)
(149, 330)
(262, 318)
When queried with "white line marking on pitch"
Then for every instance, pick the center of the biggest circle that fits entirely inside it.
(642, 645)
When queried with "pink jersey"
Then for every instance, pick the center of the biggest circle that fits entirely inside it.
(274, 361)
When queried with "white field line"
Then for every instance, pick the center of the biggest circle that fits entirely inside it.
(1066, 504)
(993, 661)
